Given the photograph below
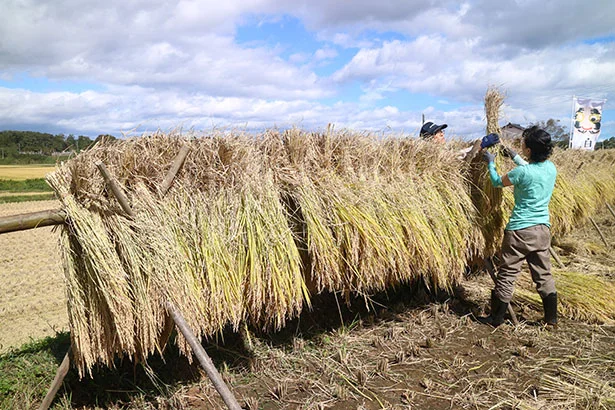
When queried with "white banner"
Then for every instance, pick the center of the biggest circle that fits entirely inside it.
(586, 123)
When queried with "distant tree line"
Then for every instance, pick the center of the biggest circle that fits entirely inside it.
(37, 147)
(606, 144)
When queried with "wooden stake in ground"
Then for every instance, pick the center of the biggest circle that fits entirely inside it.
(556, 257)
(599, 231)
(611, 210)
(57, 381)
(204, 359)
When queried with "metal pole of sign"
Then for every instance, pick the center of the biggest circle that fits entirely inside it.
(571, 123)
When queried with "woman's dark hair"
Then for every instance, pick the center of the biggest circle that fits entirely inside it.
(539, 142)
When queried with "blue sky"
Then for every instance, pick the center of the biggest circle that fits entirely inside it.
(125, 68)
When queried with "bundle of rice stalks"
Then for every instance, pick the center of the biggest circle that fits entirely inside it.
(486, 197)
(253, 225)
(585, 183)
(387, 216)
(582, 296)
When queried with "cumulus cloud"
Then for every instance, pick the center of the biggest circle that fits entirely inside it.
(162, 63)
(443, 68)
(153, 44)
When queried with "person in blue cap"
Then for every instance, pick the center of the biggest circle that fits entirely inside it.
(527, 235)
(433, 132)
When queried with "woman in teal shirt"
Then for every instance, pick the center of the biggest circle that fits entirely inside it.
(527, 235)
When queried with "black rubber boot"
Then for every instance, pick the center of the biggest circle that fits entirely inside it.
(498, 310)
(549, 303)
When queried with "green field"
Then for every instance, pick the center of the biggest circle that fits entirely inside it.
(23, 172)
(20, 183)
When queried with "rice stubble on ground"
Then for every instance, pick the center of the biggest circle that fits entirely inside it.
(32, 296)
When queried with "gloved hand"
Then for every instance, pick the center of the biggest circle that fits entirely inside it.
(507, 152)
(489, 140)
(489, 157)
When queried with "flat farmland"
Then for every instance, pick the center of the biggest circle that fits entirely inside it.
(32, 299)
(23, 172)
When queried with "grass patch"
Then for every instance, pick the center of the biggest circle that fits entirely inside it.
(26, 198)
(26, 185)
(27, 372)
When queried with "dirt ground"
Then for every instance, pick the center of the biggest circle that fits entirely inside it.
(32, 300)
(409, 350)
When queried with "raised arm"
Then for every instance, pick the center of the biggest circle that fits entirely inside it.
(495, 178)
(513, 155)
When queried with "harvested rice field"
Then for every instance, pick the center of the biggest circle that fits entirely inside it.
(32, 296)
(23, 172)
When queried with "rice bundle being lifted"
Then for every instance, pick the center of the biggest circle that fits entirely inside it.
(254, 225)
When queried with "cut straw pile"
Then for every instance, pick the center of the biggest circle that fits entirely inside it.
(582, 296)
(255, 225)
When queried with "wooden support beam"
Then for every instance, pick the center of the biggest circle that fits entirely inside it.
(491, 269)
(556, 257)
(32, 220)
(203, 358)
(178, 162)
(115, 188)
(611, 210)
(57, 382)
(599, 231)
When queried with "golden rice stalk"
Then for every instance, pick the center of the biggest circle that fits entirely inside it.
(487, 198)
(268, 258)
(192, 243)
(96, 278)
(494, 100)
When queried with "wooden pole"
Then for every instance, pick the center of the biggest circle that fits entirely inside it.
(178, 162)
(599, 231)
(556, 257)
(203, 358)
(57, 381)
(32, 220)
(491, 270)
(115, 188)
(611, 210)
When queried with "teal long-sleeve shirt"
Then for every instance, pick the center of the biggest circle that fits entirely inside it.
(533, 187)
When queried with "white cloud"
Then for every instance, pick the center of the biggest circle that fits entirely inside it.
(325, 54)
(162, 62)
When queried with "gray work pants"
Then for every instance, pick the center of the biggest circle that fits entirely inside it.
(531, 244)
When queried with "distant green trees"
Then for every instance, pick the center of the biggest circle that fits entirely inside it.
(39, 147)
(559, 133)
(606, 144)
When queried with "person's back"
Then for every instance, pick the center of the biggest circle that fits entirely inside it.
(533, 187)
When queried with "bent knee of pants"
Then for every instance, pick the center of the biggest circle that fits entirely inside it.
(505, 286)
(545, 286)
